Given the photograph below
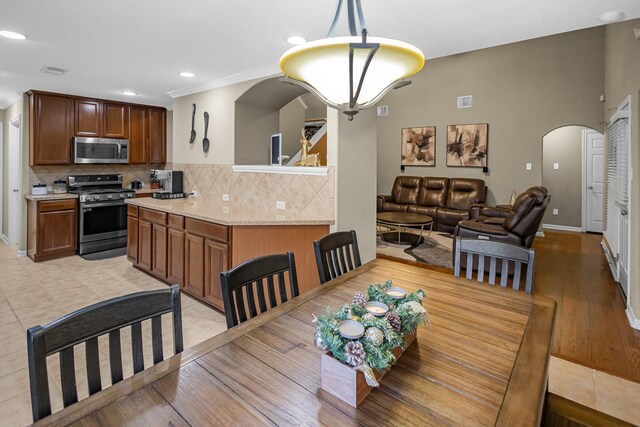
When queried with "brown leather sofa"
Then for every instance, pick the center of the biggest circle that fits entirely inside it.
(517, 225)
(446, 200)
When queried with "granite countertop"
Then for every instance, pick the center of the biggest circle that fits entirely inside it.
(51, 196)
(145, 190)
(227, 214)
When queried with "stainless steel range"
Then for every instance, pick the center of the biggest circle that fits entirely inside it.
(102, 217)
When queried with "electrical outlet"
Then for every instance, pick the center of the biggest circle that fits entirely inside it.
(225, 197)
(195, 193)
(555, 212)
(528, 166)
(280, 204)
(556, 166)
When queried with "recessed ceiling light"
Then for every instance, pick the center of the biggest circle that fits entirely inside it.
(611, 16)
(53, 70)
(129, 93)
(296, 40)
(185, 74)
(12, 35)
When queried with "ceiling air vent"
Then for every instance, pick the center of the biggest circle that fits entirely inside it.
(465, 101)
(53, 70)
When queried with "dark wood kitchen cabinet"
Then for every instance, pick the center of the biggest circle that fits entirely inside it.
(115, 120)
(175, 249)
(55, 119)
(88, 119)
(50, 128)
(157, 138)
(194, 265)
(52, 228)
(138, 134)
(216, 260)
(152, 242)
(132, 234)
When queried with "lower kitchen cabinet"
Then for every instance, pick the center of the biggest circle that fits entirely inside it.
(216, 260)
(132, 234)
(194, 265)
(52, 228)
(175, 256)
(159, 250)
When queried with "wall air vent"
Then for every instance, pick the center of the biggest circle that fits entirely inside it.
(465, 101)
(383, 110)
(53, 70)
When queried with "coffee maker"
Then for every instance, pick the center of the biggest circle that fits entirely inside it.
(170, 184)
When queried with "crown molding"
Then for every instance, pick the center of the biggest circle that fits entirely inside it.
(15, 97)
(256, 73)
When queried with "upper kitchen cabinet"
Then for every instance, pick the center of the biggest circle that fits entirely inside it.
(157, 135)
(87, 117)
(50, 128)
(138, 134)
(55, 119)
(115, 120)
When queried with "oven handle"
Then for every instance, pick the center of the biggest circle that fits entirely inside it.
(101, 205)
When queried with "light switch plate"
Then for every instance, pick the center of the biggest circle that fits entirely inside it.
(556, 166)
(225, 197)
(280, 204)
(555, 212)
(529, 166)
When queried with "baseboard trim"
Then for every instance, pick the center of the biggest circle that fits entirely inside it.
(540, 233)
(562, 228)
(22, 253)
(633, 320)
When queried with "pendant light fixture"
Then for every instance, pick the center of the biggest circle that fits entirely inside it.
(351, 73)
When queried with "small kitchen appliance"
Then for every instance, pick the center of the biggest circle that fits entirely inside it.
(170, 181)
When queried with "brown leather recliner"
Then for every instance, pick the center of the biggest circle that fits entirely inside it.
(518, 225)
(462, 195)
(404, 194)
(432, 195)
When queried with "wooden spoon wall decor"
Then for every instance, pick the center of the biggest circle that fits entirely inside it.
(193, 123)
(205, 141)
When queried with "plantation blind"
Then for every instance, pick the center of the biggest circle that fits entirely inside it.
(617, 179)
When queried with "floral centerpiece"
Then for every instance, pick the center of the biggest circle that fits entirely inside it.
(364, 333)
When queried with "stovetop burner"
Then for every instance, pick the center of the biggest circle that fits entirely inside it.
(101, 191)
(99, 188)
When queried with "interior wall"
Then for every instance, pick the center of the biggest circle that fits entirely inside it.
(220, 103)
(252, 139)
(564, 147)
(292, 117)
(355, 176)
(522, 90)
(622, 78)
(169, 136)
(315, 108)
(10, 113)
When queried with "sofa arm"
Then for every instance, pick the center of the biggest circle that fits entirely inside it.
(381, 199)
(473, 228)
(495, 211)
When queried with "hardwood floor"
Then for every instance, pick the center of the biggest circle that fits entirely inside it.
(591, 325)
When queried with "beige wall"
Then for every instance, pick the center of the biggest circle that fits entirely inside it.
(563, 146)
(292, 117)
(18, 108)
(170, 136)
(252, 138)
(522, 90)
(622, 78)
(220, 103)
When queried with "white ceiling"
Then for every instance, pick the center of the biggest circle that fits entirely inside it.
(142, 45)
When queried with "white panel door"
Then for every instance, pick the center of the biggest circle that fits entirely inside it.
(595, 182)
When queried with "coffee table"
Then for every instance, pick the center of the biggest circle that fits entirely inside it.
(395, 222)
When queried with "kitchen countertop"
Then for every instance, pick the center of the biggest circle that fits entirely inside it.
(51, 196)
(227, 214)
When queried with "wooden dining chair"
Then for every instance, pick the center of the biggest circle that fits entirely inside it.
(336, 254)
(85, 326)
(243, 287)
(500, 255)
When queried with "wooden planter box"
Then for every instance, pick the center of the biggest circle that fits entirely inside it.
(347, 384)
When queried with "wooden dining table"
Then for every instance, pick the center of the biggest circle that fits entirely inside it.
(483, 360)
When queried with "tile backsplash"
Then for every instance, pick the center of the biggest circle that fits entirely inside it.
(301, 194)
(48, 174)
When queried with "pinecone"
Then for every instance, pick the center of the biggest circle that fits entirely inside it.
(394, 320)
(374, 335)
(361, 299)
(354, 352)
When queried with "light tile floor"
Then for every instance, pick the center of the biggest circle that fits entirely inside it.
(37, 293)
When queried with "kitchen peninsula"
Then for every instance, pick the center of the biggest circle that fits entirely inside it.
(190, 241)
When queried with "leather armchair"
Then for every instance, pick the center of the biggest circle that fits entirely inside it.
(518, 225)
(432, 195)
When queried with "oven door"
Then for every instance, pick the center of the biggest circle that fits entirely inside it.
(102, 220)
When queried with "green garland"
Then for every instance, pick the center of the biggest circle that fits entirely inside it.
(377, 347)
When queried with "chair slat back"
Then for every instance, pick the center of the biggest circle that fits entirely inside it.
(243, 286)
(336, 254)
(85, 326)
(476, 250)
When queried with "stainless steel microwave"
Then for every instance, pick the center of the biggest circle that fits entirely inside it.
(100, 150)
